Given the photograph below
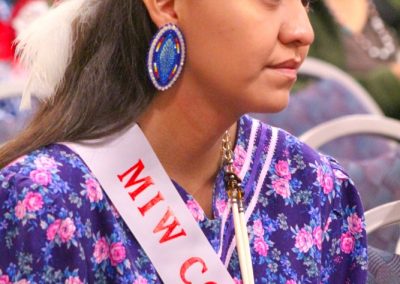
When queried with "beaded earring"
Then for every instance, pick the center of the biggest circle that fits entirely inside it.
(166, 57)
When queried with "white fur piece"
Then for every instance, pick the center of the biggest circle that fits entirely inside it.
(45, 49)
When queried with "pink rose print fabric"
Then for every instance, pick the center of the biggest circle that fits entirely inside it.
(306, 222)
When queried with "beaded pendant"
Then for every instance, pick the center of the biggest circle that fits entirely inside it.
(166, 57)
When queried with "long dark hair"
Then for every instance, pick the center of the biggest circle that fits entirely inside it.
(105, 86)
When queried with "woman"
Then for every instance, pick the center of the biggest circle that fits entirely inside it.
(303, 214)
(15, 16)
(362, 38)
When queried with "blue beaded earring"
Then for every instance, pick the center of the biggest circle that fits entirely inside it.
(166, 57)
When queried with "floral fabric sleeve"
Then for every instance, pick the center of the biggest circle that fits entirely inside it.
(58, 226)
(344, 238)
(31, 232)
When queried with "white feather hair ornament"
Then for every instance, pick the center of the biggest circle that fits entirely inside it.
(45, 48)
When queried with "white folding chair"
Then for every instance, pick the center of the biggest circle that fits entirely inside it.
(317, 68)
(383, 215)
(352, 124)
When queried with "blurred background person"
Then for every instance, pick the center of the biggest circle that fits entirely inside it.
(15, 16)
(362, 38)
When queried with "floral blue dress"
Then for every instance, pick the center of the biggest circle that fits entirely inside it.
(305, 219)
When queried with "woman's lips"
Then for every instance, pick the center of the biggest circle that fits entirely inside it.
(288, 72)
(287, 68)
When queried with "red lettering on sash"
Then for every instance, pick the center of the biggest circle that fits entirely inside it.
(170, 227)
(190, 262)
(135, 172)
(143, 210)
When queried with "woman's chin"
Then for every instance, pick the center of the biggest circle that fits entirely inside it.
(278, 104)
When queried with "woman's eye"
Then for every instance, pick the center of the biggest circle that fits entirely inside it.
(306, 3)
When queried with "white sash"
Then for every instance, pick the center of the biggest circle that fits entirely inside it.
(138, 186)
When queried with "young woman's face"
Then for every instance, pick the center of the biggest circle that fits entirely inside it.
(244, 54)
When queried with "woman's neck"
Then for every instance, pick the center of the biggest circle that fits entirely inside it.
(187, 138)
(351, 14)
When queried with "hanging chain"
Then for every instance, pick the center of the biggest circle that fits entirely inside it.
(227, 153)
(386, 50)
(388, 46)
(233, 183)
(235, 192)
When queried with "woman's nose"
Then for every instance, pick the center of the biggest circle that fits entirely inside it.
(296, 28)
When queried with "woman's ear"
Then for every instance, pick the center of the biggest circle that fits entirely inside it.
(162, 12)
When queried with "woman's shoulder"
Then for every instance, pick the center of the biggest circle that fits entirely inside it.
(281, 146)
(51, 197)
(266, 136)
(54, 165)
(50, 182)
